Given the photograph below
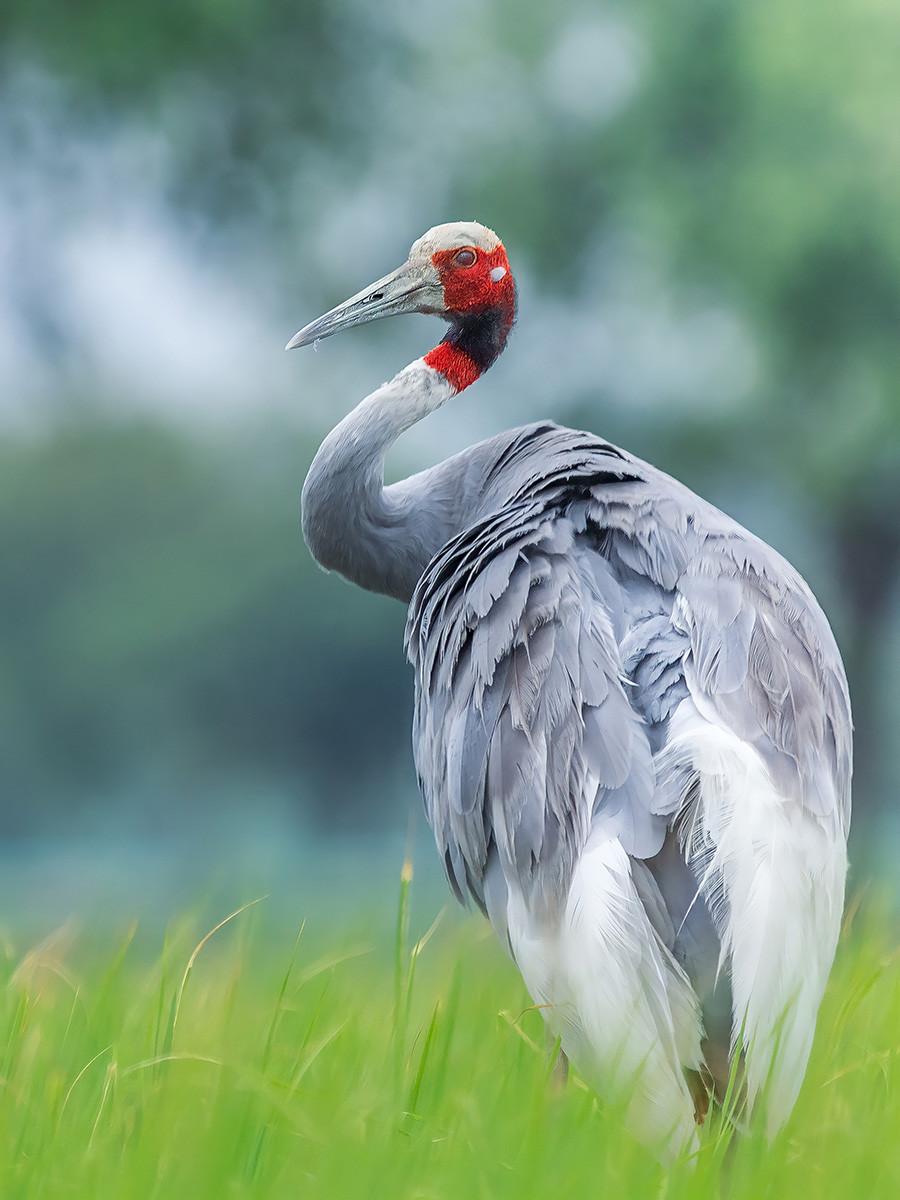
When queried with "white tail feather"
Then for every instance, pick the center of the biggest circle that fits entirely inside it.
(624, 1010)
(773, 874)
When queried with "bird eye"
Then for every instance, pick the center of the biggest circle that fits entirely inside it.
(464, 258)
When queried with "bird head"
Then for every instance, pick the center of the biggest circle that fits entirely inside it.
(457, 271)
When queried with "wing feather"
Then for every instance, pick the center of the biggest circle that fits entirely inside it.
(526, 729)
(601, 654)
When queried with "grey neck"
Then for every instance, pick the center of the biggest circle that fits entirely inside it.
(351, 524)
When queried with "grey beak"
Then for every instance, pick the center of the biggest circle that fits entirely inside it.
(408, 289)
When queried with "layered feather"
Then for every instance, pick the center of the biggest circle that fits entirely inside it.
(632, 732)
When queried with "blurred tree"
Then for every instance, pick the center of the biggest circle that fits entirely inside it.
(243, 88)
(157, 621)
(749, 149)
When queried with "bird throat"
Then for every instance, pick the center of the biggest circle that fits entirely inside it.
(473, 342)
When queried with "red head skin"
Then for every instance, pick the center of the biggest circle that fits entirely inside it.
(481, 310)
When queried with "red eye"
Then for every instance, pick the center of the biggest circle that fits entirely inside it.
(464, 258)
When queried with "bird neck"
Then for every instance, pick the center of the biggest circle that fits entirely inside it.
(474, 341)
(383, 540)
(350, 523)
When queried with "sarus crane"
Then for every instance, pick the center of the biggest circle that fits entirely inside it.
(632, 726)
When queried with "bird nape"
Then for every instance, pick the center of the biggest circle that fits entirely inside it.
(632, 726)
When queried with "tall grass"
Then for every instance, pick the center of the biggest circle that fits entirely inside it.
(247, 1062)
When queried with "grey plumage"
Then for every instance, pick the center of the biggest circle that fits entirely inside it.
(553, 637)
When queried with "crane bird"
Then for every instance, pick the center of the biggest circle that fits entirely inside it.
(632, 726)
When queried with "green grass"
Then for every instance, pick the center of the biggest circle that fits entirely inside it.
(265, 1064)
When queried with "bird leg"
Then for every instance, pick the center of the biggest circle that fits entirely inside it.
(714, 1082)
(699, 1089)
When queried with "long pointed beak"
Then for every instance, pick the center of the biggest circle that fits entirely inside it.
(408, 289)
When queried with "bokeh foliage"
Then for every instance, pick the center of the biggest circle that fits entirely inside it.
(159, 621)
(159, 625)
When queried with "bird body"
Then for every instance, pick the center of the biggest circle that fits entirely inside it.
(632, 726)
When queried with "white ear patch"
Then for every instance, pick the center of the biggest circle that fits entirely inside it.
(498, 273)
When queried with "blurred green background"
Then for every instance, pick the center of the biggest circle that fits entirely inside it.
(700, 201)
